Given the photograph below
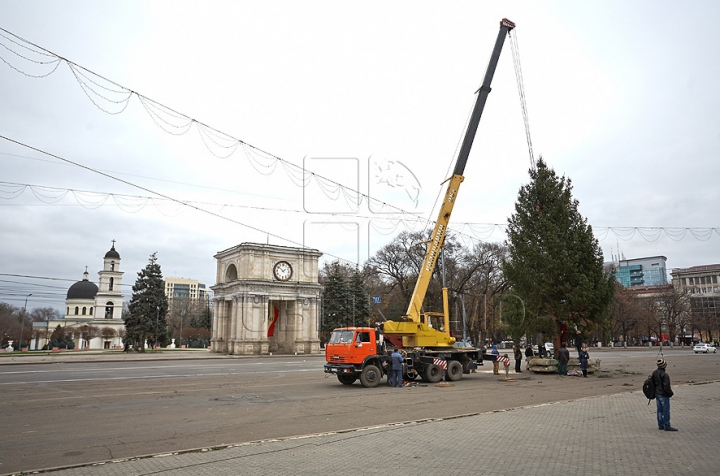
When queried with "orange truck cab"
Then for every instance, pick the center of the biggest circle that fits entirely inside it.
(352, 353)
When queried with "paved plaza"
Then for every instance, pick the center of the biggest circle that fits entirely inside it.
(606, 435)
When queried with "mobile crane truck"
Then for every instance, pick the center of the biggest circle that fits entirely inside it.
(354, 353)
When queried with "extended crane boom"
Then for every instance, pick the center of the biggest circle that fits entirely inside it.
(413, 331)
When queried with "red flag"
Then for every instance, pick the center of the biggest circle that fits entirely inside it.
(271, 327)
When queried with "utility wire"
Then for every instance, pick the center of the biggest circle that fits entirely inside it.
(166, 197)
(180, 122)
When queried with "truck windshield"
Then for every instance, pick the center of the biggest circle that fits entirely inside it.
(341, 337)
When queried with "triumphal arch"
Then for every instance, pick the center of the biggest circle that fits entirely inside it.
(266, 300)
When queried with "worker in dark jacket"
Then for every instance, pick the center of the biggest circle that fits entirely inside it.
(528, 351)
(397, 367)
(563, 359)
(518, 359)
(663, 392)
(584, 359)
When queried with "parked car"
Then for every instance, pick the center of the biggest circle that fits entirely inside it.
(462, 344)
(704, 348)
(549, 348)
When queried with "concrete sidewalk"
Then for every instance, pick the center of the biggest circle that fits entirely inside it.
(608, 435)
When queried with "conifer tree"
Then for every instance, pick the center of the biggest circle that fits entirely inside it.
(148, 307)
(555, 264)
(345, 301)
(360, 300)
(335, 312)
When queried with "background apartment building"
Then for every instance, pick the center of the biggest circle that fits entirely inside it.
(651, 271)
(701, 279)
(702, 285)
(184, 288)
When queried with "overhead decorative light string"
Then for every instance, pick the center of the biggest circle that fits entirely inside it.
(178, 123)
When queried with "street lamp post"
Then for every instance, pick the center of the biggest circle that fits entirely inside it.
(22, 323)
(157, 321)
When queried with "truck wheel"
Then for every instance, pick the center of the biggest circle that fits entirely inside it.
(370, 376)
(433, 374)
(346, 379)
(454, 371)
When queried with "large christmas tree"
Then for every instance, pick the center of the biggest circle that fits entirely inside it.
(555, 264)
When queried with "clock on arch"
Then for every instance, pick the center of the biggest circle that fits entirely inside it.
(282, 271)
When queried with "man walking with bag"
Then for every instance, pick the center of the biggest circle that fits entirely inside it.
(663, 392)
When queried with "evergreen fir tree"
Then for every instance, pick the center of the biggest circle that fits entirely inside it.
(555, 263)
(345, 301)
(335, 312)
(148, 307)
(360, 300)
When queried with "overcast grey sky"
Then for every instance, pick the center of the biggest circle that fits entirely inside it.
(622, 98)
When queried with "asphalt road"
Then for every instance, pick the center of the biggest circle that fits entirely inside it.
(61, 414)
(89, 372)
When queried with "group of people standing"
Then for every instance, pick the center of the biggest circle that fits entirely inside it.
(663, 390)
(563, 358)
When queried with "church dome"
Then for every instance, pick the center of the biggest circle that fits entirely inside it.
(112, 253)
(82, 290)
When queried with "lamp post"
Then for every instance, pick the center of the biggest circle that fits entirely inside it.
(157, 320)
(22, 323)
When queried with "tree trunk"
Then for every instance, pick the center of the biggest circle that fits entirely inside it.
(556, 338)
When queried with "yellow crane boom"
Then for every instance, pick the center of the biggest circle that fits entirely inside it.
(414, 330)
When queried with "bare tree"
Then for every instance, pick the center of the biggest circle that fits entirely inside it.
(484, 285)
(183, 310)
(398, 262)
(44, 314)
(88, 333)
(674, 310)
(625, 312)
(476, 274)
(9, 322)
(705, 316)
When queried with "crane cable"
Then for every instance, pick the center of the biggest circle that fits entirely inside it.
(521, 92)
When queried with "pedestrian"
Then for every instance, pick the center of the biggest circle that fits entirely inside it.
(663, 392)
(397, 368)
(528, 351)
(496, 364)
(541, 350)
(584, 359)
(578, 341)
(518, 359)
(563, 359)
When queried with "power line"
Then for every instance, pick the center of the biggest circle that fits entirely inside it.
(175, 182)
(178, 123)
(167, 197)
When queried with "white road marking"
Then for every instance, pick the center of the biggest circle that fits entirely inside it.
(155, 376)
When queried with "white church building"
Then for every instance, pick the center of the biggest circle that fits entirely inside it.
(93, 305)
